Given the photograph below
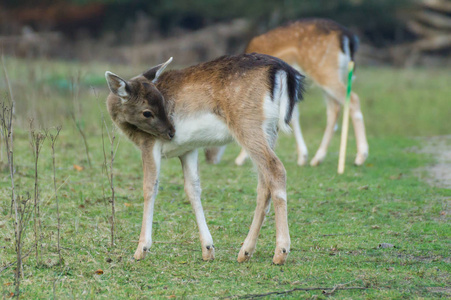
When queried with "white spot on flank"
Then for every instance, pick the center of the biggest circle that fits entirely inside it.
(196, 131)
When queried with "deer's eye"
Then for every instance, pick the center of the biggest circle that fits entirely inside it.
(147, 114)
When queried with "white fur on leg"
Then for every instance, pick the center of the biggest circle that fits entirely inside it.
(282, 233)
(241, 158)
(150, 192)
(193, 191)
(300, 143)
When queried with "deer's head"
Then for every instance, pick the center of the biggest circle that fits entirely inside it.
(140, 103)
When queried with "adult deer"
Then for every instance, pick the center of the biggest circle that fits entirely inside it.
(320, 49)
(245, 98)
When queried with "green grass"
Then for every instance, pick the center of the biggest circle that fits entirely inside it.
(336, 222)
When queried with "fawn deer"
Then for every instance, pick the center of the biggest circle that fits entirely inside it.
(320, 49)
(245, 98)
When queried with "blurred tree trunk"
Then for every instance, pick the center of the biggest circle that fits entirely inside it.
(431, 22)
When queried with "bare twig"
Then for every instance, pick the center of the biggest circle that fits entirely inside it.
(8, 84)
(53, 138)
(75, 95)
(14, 262)
(36, 141)
(324, 289)
(23, 210)
(7, 129)
(108, 166)
(6, 122)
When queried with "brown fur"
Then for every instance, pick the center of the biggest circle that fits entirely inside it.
(314, 46)
(233, 90)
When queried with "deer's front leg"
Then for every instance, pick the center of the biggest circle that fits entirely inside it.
(193, 191)
(151, 167)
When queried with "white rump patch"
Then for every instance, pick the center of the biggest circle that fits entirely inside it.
(276, 109)
(282, 99)
(343, 61)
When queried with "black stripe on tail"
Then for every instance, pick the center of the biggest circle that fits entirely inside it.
(353, 43)
(295, 84)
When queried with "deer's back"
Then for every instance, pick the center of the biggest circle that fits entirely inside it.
(307, 44)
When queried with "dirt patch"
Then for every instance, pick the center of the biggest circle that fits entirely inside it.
(439, 173)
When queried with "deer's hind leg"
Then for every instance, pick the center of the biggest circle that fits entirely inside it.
(333, 109)
(213, 155)
(337, 92)
(271, 185)
(301, 147)
(332, 81)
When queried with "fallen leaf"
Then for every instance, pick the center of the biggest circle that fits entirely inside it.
(386, 245)
(375, 227)
(78, 168)
(99, 272)
(364, 187)
(443, 213)
(127, 204)
(172, 296)
(396, 177)
(370, 165)
(8, 283)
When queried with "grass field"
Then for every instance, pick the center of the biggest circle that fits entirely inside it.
(336, 222)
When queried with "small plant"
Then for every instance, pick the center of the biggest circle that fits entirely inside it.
(18, 204)
(37, 139)
(23, 210)
(78, 124)
(108, 163)
(53, 137)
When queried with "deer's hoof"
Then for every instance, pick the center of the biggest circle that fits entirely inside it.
(208, 252)
(360, 158)
(280, 256)
(244, 255)
(315, 162)
(302, 160)
(141, 252)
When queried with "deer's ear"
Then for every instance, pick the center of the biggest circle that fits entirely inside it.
(117, 85)
(155, 72)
